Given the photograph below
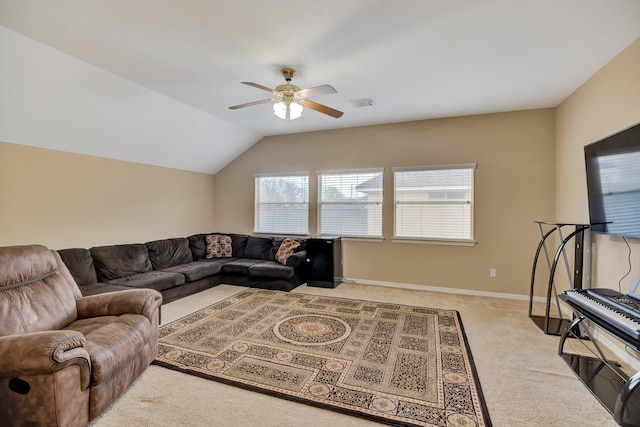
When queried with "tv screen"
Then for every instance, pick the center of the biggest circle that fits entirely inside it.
(613, 183)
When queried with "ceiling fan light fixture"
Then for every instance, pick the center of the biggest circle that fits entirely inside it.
(290, 100)
(287, 111)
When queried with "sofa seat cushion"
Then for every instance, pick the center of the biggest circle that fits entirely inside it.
(196, 270)
(239, 266)
(112, 341)
(100, 288)
(271, 270)
(158, 280)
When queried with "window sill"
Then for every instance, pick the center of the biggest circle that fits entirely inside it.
(446, 242)
(364, 239)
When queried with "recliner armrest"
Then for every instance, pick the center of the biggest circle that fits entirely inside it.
(44, 352)
(133, 301)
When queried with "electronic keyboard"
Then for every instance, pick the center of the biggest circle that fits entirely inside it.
(610, 307)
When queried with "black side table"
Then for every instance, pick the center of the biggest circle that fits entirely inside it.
(324, 255)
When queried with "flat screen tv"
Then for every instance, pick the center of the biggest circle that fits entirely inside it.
(613, 183)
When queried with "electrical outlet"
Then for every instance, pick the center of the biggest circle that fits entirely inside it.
(492, 272)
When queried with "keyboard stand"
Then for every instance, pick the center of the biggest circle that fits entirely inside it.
(555, 325)
(614, 389)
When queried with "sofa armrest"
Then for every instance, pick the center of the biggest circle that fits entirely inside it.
(133, 301)
(297, 259)
(44, 352)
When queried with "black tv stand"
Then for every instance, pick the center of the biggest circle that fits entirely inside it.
(615, 390)
(555, 325)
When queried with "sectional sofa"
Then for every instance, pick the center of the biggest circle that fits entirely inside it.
(178, 267)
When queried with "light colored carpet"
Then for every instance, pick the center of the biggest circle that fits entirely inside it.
(524, 381)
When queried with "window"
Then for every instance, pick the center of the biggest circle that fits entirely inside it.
(282, 204)
(350, 203)
(434, 203)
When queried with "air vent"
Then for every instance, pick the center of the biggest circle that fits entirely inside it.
(362, 102)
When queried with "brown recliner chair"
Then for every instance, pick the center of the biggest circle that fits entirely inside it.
(63, 357)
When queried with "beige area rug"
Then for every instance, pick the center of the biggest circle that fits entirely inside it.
(392, 363)
(524, 381)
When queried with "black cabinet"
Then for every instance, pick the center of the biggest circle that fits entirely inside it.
(325, 258)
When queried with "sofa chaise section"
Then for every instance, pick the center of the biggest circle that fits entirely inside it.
(253, 262)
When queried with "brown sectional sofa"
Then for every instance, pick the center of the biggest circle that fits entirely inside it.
(178, 267)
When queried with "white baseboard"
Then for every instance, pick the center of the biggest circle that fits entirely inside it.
(444, 290)
(602, 338)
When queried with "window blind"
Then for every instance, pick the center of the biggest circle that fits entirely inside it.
(434, 202)
(350, 202)
(282, 204)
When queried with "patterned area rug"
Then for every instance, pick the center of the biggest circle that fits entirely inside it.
(395, 364)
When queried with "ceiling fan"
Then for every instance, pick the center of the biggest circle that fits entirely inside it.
(290, 99)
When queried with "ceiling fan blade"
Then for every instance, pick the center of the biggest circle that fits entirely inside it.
(249, 104)
(322, 109)
(256, 85)
(315, 91)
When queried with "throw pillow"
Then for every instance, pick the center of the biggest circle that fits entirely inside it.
(218, 246)
(285, 250)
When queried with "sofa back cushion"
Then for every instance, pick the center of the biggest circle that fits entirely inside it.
(37, 292)
(198, 246)
(259, 248)
(169, 253)
(80, 265)
(239, 244)
(113, 262)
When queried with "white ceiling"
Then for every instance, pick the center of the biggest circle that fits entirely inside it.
(418, 59)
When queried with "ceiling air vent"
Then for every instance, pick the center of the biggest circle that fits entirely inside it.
(362, 102)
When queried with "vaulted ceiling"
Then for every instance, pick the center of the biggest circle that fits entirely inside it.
(417, 59)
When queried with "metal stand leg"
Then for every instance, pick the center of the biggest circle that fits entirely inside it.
(552, 286)
(622, 414)
(541, 245)
(573, 329)
(549, 325)
(565, 334)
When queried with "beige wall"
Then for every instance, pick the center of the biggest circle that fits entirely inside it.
(63, 200)
(67, 200)
(605, 104)
(514, 185)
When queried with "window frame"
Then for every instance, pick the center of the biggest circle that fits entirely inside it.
(256, 204)
(366, 237)
(435, 240)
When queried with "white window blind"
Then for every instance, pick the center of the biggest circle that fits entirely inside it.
(282, 204)
(350, 202)
(434, 202)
